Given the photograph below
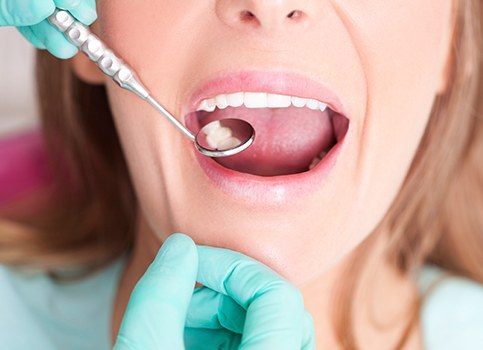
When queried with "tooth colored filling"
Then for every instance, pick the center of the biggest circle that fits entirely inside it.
(288, 140)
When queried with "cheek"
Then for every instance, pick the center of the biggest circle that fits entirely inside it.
(403, 52)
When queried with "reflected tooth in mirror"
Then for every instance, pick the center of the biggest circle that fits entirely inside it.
(228, 143)
(298, 101)
(210, 127)
(217, 135)
(278, 101)
(221, 101)
(255, 99)
(221, 133)
(212, 142)
(235, 99)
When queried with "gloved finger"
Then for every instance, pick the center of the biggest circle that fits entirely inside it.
(156, 312)
(308, 338)
(209, 339)
(275, 308)
(25, 12)
(82, 10)
(30, 36)
(212, 310)
(54, 41)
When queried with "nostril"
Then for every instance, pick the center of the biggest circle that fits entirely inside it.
(295, 14)
(247, 16)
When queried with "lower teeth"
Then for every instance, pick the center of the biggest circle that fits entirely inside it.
(317, 159)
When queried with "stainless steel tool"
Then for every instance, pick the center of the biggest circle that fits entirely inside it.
(236, 135)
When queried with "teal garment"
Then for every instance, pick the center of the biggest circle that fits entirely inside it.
(39, 313)
(452, 315)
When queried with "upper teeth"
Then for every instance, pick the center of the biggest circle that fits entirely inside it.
(258, 100)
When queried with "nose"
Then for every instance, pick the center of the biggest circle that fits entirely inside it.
(270, 16)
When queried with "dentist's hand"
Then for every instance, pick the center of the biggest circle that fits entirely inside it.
(30, 18)
(242, 305)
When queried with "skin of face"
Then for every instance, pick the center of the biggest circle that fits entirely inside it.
(385, 59)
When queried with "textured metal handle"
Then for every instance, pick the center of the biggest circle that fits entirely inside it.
(81, 36)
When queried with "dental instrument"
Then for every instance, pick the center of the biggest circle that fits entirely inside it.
(219, 138)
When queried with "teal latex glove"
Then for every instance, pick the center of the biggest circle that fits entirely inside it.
(30, 18)
(242, 305)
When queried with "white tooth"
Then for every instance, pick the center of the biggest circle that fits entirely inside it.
(228, 143)
(322, 106)
(255, 99)
(221, 101)
(315, 161)
(278, 101)
(210, 109)
(312, 104)
(235, 100)
(218, 135)
(210, 105)
(299, 101)
(210, 127)
(202, 106)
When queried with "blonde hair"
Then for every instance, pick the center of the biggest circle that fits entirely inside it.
(437, 216)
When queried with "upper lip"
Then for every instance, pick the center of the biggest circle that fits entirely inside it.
(277, 82)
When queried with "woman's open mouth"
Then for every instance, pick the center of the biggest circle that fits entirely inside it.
(297, 134)
(293, 134)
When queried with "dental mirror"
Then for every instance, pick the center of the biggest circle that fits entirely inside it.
(225, 137)
(220, 138)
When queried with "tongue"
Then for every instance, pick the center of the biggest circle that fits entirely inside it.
(286, 142)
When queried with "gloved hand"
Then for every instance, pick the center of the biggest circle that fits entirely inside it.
(30, 18)
(242, 305)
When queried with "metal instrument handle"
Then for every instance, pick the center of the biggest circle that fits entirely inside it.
(81, 36)
(98, 52)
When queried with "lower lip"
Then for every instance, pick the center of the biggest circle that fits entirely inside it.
(274, 191)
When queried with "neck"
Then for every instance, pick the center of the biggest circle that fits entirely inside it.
(376, 324)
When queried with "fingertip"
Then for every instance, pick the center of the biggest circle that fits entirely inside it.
(67, 4)
(84, 14)
(89, 16)
(181, 242)
(181, 239)
(179, 248)
(84, 11)
(63, 51)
